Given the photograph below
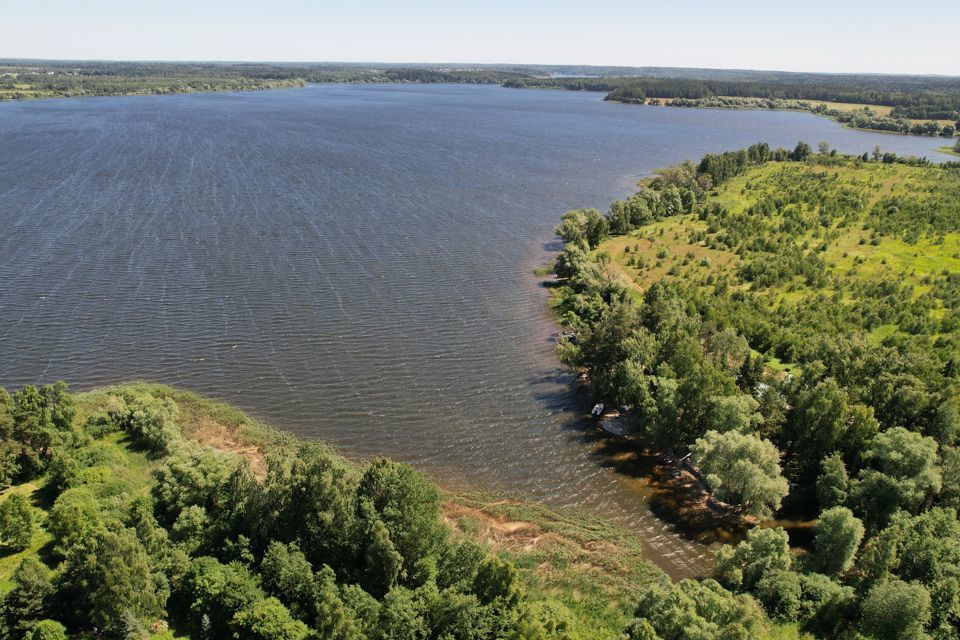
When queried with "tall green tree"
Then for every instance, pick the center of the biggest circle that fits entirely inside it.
(836, 539)
(896, 610)
(742, 469)
(409, 507)
(902, 473)
(30, 599)
(107, 576)
(268, 619)
(16, 522)
(743, 566)
(47, 630)
(833, 483)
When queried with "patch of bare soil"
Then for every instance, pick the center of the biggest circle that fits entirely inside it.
(211, 433)
(499, 532)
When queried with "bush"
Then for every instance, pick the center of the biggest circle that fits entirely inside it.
(48, 630)
(152, 423)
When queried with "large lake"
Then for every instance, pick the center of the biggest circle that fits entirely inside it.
(351, 263)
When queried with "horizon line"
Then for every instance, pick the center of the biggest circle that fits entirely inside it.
(374, 64)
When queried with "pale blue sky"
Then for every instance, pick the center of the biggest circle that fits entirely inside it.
(811, 35)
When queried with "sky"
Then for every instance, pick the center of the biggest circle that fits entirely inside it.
(875, 36)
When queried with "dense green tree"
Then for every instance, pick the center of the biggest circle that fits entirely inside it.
(741, 469)
(743, 566)
(338, 616)
(818, 422)
(923, 549)
(583, 225)
(310, 500)
(47, 630)
(827, 608)
(802, 151)
(214, 593)
(151, 422)
(571, 260)
(896, 610)
(106, 575)
(268, 619)
(9, 448)
(409, 507)
(383, 564)
(945, 427)
(693, 609)
(74, 515)
(16, 522)
(833, 483)
(837, 537)
(32, 429)
(198, 477)
(781, 594)
(902, 474)
(191, 529)
(497, 581)
(30, 599)
(950, 465)
(401, 618)
(287, 574)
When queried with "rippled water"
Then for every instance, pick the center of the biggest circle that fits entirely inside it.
(351, 263)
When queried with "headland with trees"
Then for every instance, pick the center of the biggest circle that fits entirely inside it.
(785, 319)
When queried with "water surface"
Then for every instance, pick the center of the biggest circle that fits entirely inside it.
(351, 263)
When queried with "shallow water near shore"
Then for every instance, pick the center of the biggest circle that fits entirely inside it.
(349, 263)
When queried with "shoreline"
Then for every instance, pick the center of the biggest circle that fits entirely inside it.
(220, 425)
(658, 103)
(129, 94)
(593, 566)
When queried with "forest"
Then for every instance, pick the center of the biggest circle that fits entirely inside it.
(787, 321)
(141, 511)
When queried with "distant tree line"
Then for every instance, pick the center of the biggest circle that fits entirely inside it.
(912, 97)
(923, 98)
